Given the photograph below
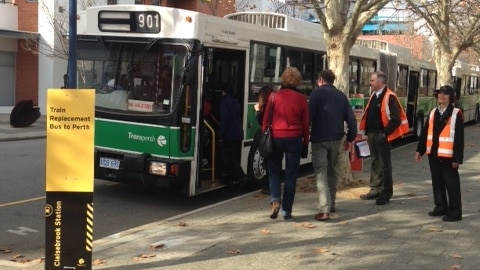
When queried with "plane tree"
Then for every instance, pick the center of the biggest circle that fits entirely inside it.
(342, 22)
(455, 25)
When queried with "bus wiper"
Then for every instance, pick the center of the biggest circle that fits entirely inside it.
(119, 67)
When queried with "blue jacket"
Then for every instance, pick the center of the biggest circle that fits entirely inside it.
(329, 109)
(230, 128)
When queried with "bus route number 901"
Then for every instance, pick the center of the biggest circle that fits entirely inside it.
(147, 22)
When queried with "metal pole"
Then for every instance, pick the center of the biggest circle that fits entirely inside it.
(72, 45)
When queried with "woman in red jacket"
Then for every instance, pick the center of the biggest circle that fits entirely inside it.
(290, 132)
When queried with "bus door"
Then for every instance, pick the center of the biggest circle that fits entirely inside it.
(222, 68)
(457, 86)
(412, 97)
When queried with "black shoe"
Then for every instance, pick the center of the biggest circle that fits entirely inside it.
(275, 210)
(369, 196)
(450, 218)
(436, 213)
(382, 201)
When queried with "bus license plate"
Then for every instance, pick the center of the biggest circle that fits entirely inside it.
(109, 163)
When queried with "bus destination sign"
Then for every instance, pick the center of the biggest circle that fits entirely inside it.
(129, 21)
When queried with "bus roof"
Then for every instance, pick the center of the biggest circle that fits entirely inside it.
(234, 30)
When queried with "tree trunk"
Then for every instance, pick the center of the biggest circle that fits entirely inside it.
(444, 63)
(338, 55)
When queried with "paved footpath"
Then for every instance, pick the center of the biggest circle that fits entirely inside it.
(9, 133)
(238, 234)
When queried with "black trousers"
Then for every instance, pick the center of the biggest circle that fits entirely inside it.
(446, 181)
(231, 171)
(381, 179)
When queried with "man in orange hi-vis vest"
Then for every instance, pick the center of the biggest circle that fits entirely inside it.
(443, 140)
(383, 121)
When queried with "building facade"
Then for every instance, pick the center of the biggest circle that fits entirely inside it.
(18, 67)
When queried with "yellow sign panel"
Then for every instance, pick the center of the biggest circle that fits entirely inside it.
(70, 140)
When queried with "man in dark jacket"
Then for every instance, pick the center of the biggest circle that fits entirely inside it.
(329, 109)
(230, 134)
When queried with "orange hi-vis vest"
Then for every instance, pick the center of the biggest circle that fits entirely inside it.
(401, 130)
(446, 137)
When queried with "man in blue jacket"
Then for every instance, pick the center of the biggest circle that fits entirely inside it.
(329, 109)
(230, 133)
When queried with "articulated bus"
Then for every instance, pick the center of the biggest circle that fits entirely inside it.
(465, 81)
(154, 67)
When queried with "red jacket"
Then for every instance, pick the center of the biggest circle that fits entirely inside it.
(290, 115)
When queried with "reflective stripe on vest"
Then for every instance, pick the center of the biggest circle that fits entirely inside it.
(401, 130)
(446, 137)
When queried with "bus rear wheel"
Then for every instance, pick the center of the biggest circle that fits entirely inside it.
(477, 115)
(419, 125)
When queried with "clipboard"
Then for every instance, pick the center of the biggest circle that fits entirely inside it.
(361, 149)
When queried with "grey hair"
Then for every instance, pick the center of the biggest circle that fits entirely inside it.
(381, 76)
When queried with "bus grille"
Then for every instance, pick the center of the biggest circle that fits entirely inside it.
(270, 20)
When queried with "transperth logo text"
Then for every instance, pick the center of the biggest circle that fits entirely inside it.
(141, 138)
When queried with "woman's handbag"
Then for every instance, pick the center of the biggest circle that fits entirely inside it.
(265, 145)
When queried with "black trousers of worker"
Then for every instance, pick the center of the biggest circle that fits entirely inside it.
(381, 179)
(231, 171)
(446, 180)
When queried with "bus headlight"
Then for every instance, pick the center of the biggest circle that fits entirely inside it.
(158, 168)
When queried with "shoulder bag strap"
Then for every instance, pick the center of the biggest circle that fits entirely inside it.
(270, 113)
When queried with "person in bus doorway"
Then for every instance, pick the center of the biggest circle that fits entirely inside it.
(383, 121)
(442, 139)
(290, 133)
(263, 96)
(230, 134)
(206, 134)
(329, 110)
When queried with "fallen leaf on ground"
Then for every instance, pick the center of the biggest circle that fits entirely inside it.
(5, 251)
(19, 258)
(344, 223)
(457, 256)
(266, 231)
(435, 230)
(182, 224)
(308, 225)
(454, 267)
(39, 260)
(234, 251)
(157, 247)
(98, 262)
(260, 195)
(321, 250)
(143, 256)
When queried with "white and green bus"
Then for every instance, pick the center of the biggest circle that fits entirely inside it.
(153, 67)
(466, 82)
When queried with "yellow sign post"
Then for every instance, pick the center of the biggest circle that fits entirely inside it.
(69, 179)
